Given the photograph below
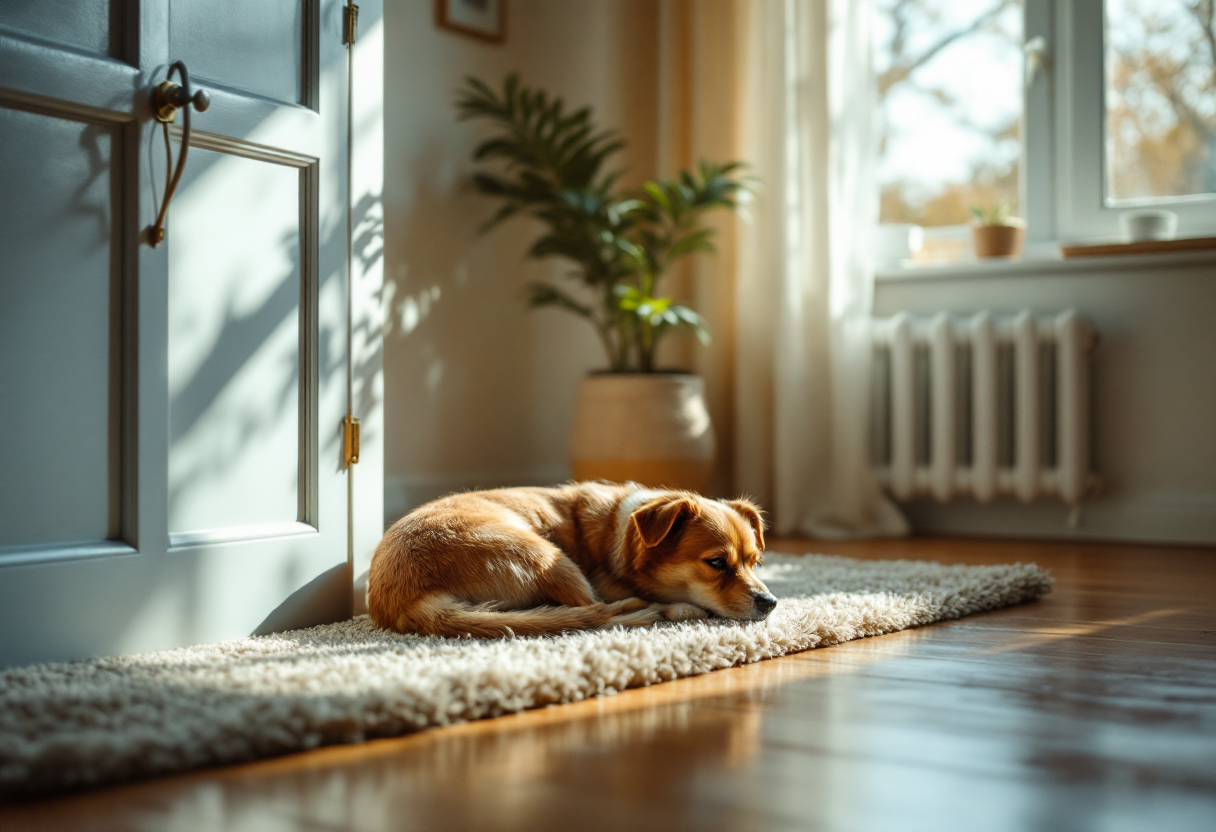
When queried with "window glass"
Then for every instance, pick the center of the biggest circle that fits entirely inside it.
(950, 107)
(1160, 98)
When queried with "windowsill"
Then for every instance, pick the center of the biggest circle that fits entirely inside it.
(1034, 264)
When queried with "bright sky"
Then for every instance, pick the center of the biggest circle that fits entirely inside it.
(983, 72)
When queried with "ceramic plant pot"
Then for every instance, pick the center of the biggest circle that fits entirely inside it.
(999, 240)
(651, 428)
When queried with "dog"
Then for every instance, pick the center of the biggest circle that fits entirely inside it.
(540, 561)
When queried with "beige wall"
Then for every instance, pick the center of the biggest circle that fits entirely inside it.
(478, 390)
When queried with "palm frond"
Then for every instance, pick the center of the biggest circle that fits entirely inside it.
(543, 294)
(546, 160)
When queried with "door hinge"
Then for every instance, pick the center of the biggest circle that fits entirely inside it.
(350, 439)
(350, 23)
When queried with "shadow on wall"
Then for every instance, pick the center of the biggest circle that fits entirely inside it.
(464, 390)
(480, 391)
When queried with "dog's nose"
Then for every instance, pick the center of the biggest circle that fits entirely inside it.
(764, 603)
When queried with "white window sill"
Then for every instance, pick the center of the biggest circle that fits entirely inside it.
(1036, 263)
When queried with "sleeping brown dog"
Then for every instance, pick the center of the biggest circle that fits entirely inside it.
(532, 561)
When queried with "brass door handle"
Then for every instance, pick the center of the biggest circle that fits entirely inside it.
(167, 99)
(170, 97)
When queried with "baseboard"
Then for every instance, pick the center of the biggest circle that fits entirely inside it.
(402, 494)
(1142, 518)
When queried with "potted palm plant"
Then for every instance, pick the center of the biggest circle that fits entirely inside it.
(634, 420)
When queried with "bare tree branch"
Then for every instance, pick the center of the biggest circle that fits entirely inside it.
(1204, 12)
(902, 66)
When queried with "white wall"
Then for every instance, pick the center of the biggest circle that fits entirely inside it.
(1154, 392)
(478, 390)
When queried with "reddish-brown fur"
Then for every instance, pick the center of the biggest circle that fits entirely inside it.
(532, 561)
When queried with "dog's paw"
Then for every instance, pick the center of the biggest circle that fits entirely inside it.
(683, 612)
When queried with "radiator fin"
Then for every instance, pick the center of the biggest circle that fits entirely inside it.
(983, 406)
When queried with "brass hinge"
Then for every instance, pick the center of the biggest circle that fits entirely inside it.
(350, 439)
(350, 23)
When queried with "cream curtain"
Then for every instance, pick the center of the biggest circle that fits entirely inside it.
(785, 85)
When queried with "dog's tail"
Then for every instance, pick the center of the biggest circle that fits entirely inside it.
(444, 615)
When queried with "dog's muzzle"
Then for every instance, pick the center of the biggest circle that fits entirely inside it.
(764, 603)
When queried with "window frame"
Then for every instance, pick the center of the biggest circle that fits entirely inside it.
(1062, 179)
(1064, 137)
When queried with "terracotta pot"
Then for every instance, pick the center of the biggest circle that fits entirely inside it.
(998, 240)
(651, 428)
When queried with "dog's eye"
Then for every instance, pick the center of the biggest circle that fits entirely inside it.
(717, 563)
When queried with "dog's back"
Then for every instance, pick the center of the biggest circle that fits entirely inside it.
(483, 564)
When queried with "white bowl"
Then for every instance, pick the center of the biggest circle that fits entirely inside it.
(896, 242)
(1148, 224)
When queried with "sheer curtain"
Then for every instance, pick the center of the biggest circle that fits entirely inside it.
(792, 81)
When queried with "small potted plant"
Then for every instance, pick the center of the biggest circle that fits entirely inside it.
(995, 233)
(634, 420)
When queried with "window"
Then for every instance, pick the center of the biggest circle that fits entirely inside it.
(950, 105)
(1160, 99)
(1067, 111)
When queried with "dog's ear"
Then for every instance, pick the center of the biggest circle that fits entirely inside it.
(751, 513)
(660, 517)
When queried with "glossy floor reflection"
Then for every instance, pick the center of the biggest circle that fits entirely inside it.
(1092, 710)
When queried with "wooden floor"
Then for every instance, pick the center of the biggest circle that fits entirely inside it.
(1094, 709)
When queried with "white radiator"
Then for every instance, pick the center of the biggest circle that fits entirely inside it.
(983, 406)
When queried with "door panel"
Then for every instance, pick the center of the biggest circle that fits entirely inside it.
(256, 383)
(235, 292)
(60, 375)
(93, 25)
(259, 48)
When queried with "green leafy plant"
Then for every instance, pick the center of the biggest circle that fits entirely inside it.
(995, 215)
(550, 163)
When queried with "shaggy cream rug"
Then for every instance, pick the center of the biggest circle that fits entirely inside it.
(86, 723)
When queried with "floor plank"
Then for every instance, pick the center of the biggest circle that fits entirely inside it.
(1094, 709)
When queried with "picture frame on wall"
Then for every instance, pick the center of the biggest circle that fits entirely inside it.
(482, 19)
